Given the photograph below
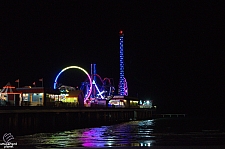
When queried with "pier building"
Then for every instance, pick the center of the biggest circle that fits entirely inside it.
(9, 95)
(38, 96)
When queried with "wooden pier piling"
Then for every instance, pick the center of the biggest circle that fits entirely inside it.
(41, 119)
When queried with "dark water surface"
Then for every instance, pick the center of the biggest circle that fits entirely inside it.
(173, 132)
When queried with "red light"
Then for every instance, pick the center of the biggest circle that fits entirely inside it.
(121, 32)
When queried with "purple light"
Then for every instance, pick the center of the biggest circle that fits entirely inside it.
(77, 67)
(121, 83)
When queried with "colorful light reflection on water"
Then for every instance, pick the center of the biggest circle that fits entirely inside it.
(125, 134)
(134, 133)
(158, 132)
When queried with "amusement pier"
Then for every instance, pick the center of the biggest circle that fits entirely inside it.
(97, 101)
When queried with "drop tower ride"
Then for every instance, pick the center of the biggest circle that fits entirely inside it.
(121, 90)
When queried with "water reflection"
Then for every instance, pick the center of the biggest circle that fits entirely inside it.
(159, 132)
(134, 133)
(125, 134)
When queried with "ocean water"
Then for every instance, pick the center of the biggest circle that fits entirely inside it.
(155, 133)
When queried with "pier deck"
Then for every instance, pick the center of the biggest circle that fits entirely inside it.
(39, 119)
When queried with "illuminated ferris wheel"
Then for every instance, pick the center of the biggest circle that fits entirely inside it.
(88, 93)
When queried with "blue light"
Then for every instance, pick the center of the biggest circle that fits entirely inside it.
(122, 84)
(100, 93)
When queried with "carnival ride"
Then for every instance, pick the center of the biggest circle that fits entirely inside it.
(94, 88)
(101, 88)
(76, 67)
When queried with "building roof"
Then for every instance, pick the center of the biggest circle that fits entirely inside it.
(125, 97)
(31, 89)
(37, 90)
(8, 89)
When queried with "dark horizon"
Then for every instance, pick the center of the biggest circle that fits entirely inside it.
(174, 50)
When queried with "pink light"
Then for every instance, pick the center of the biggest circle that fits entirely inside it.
(77, 67)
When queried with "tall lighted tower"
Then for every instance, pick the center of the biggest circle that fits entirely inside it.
(121, 90)
(93, 77)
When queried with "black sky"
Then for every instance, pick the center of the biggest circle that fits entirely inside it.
(174, 50)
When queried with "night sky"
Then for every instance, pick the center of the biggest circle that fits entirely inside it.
(174, 50)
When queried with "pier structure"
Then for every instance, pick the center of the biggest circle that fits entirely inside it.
(93, 92)
(41, 119)
(169, 115)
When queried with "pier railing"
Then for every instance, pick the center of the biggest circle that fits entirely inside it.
(168, 115)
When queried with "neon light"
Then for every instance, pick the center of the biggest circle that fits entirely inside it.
(97, 76)
(77, 67)
(95, 72)
(125, 87)
(98, 89)
(107, 79)
(100, 93)
(8, 87)
(121, 83)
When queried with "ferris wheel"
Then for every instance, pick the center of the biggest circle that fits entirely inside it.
(88, 93)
